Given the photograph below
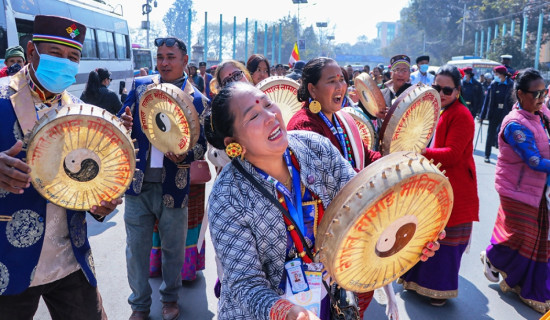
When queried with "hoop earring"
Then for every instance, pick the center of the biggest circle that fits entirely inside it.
(315, 106)
(233, 150)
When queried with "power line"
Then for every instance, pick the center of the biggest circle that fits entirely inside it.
(531, 8)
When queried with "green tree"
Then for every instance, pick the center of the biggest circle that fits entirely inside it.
(177, 18)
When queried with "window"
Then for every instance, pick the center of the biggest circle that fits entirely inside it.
(120, 46)
(90, 46)
(105, 44)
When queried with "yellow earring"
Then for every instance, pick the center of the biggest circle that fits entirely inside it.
(233, 150)
(315, 106)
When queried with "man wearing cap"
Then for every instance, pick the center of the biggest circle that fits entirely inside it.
(198, 81)
(400, 68)
(15, 60)
(498, 102)
(279, 69)
(205, 77)
(506, 60)
(45, 250)
(296, 73)
(472, 92)
(422, 74)
(160, 190)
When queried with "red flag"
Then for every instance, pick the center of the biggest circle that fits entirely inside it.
(294, 56)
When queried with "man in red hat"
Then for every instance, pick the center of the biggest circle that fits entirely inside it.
(45, 250)
(472, 92)
(497, 104)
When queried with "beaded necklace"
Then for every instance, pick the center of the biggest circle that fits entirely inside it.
(341, 136)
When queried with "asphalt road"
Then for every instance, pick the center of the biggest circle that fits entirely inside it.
(477, 298)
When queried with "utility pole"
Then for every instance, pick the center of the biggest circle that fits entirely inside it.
(145, 10)
(463, 23)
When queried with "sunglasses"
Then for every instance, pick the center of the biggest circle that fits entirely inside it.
(169, 42)
(233, 77)
(539, 93)
(446, 90)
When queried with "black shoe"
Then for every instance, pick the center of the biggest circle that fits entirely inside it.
(487, 160)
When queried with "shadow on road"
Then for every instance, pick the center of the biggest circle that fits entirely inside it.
(470, 301)
(95, 227)
(513, 300)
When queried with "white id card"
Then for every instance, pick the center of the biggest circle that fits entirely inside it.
(311, 299)
(157, 158)
(296, 276)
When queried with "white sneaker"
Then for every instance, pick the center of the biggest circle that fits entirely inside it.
(490, 273)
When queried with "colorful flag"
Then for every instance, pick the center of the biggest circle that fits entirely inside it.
(294, 56)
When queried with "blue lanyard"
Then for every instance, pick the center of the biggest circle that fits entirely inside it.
(294, 207)
(338, 132)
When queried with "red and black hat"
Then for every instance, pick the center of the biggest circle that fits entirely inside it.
(61, 30)
(400, 59)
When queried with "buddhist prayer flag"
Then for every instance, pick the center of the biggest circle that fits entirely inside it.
(294, 56)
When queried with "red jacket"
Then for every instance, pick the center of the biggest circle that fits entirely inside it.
(453, 147)
(306, 120)
(4, 72)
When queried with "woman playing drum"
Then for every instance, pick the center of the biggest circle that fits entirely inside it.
(249, 234)
(453, 148)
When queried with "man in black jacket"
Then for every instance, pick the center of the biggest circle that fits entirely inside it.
(472, 92)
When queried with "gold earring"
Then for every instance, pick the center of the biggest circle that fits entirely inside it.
(233, 150)
(315, 106)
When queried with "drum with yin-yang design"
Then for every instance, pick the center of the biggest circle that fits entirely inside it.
(169, 119)
(284, 92)
(374, 230)
(80, 155)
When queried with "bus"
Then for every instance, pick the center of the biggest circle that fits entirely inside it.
(479, 66)
(107, 42)
(143, 58)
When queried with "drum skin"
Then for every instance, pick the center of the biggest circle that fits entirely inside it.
(374, 230)
(366, 129)
(169, 119)
(410, 123)
(370, 95)
(80, 155)
(284, 92)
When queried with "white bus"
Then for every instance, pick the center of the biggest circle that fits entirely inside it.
(143, 58)
(107, 42)
(479, 66)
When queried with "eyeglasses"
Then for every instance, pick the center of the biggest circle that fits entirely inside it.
(538, 93)
(170, 42)
(233, 77)
(446, 90)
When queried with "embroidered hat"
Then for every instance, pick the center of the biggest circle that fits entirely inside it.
(61, 30)
(16, 51)
(399, 59)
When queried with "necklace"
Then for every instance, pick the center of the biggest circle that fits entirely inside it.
(287, 183)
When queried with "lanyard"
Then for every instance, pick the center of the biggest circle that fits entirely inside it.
(338, 132)
(294, 207)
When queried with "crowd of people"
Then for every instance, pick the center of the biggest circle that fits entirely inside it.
(275, 180)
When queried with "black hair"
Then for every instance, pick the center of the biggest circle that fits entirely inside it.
(254, 61)
(94, 82)
(346, 76)
(179, 42)
(452, 72)
(312, 74)
(524, 79)
(219, 124)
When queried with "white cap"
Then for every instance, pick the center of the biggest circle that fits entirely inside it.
(506, 56)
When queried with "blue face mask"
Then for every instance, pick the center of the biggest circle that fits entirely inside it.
(497, 79)
(423, 68)
(55, 74)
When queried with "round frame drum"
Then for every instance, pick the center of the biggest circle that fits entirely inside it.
(169, 119)
(410, 123)
(79, 156)
(374, 230)
(366, 129)
(284, 92)
(370, 95)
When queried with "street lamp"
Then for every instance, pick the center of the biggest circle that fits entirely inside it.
(298, 2)
(145, 10)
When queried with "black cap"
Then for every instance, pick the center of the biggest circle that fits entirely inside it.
(202, 64)
(421, 58)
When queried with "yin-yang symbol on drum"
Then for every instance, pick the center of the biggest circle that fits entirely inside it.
(396, 236)
(81, 165)
(163, 122)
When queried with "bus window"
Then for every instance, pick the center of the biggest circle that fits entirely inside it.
(24, 33)
(121, 46)
(105, 44)
(89, 50)
(142, 58)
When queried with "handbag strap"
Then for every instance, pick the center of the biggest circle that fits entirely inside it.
(271, 198)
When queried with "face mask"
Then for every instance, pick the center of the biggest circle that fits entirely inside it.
(13, 69)
(424, 68)
(55, 74)
(497, 79)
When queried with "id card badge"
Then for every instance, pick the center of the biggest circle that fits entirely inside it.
(296, 276)
(311, 299)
